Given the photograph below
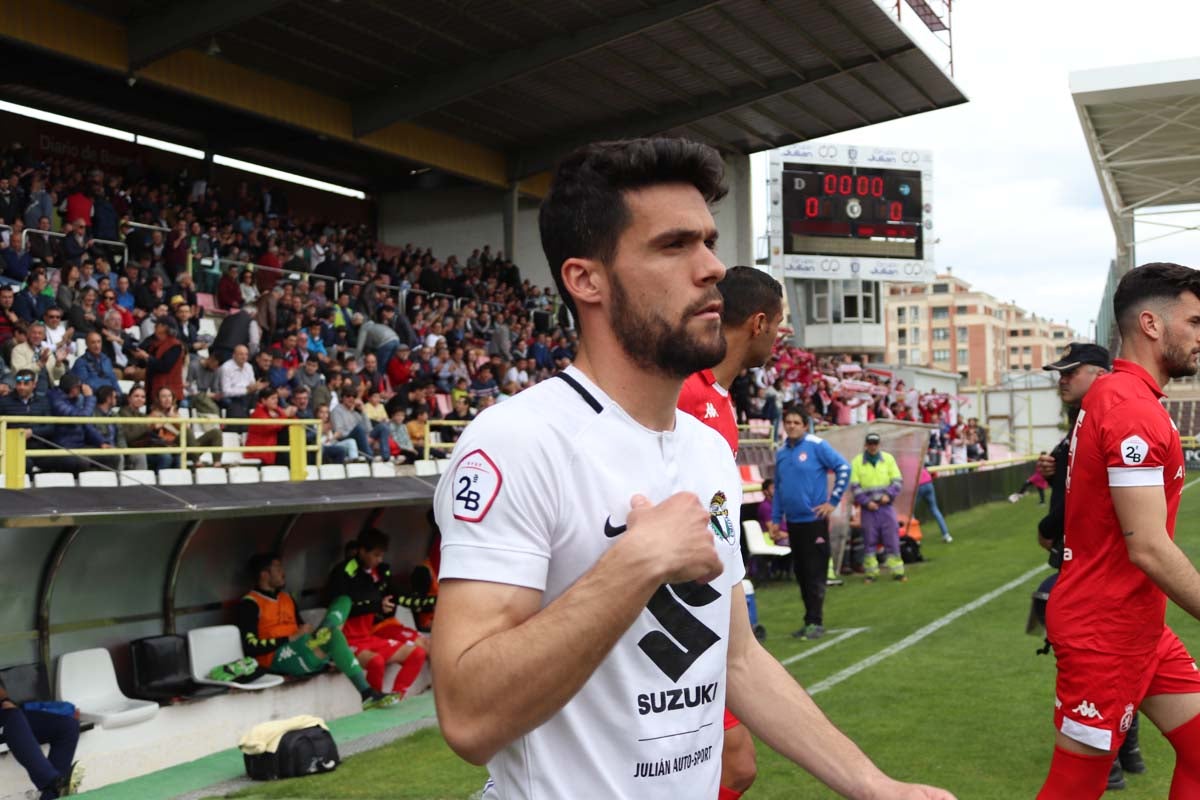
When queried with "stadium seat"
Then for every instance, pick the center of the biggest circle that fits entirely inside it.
(333, 472)
(4, 485)
(49, 480)
(207, 325)
(405, 617)
(98, 477)
(756, 542)
(125, 386)
(275, 473)
(443, 464)
(87, 679)
(138, 477)
(311, 473)
(382, 469)
(426, 467)
(233, 458)
(359, 470)
(751, 474)
(161, 671)
(210, 475)
(243, 475)
(174, 477)
(313, 616)
(221, 644)
(444, 405)
(27, 683)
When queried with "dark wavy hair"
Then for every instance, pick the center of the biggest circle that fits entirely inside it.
(584, 214)
(1151, 283)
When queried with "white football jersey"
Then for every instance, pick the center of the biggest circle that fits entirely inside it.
(538, 491)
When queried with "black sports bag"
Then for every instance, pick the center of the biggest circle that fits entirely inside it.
(301, 752)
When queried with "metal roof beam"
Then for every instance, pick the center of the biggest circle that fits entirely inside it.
(159, 34)
(531, 161)
(433, 91)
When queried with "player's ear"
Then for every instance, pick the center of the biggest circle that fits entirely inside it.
(585, 279)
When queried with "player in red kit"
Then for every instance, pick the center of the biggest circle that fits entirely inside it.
(1106, 615)
(750, 317)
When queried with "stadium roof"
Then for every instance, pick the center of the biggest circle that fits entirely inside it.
(1142, 125)
(513, 83)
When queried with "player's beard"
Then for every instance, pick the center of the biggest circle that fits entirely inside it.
(653, 343)
(1179, 359)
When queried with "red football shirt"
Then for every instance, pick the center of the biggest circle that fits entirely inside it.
(706, 400)
(1123, 437)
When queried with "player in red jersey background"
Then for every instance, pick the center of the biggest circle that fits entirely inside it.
(750, 317)
(1106, 616)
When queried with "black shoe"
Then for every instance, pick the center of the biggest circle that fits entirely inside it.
(1130, 755)
(1116, 776)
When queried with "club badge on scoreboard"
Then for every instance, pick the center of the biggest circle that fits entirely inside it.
(847, 211)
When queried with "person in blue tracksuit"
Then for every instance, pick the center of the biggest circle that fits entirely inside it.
(804, 502)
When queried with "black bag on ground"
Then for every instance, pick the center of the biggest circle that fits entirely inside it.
(301, 752)
(910, 550)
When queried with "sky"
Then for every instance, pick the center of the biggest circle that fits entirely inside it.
(1017, 204)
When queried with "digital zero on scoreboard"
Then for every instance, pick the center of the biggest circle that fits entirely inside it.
(852, 211)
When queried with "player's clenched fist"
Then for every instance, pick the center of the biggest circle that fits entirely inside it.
(675, 536)
(1046, 466)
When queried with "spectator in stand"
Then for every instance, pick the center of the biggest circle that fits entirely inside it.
(93, 367)
(237, 329)
(484, 385)
(15, 262)
(162, 356)
(175, 255)
(123, 297)
(229, 294)
(76, 243)
(37, 355)
(334, 450)
(238, 383)
(43, 248)
(59, 336)
(349, 422)
(151, 294)
(402, 444)
(71, 398)
(25, 401)
(267, 435)
(204, 385)
(31, 304)
(267, 620)
(24, 731)
(376, 638)
(8, 318)
(459, 412)
(374, 337)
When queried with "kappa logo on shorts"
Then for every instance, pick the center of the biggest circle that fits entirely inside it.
(1088, 711)
(477, 482)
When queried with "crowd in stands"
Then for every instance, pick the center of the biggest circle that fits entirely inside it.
(309, 319)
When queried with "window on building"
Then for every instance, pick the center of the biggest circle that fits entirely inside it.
(1026, 332)
(939, 312)
(940, 288)
(902, 356)
(962, 355)
(941, 355)
(1014, 333)
(818, 307)
(961, 333)
(859, 300)
(1060, 335)
(1027, 350)
(1014, 350)
(915, 336)
(1028, 367)
(900, 315)
(902, 336)
(914, 313)
(941, 334)
(960, 309)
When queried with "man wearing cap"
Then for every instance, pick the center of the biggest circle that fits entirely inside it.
(162, 357)
(72, 398)
(1080, 365)
(875, 481)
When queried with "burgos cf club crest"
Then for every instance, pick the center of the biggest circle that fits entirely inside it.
(718, 518)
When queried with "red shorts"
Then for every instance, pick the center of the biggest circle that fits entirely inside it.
(1096, 694)
(730, 720)
(384, 639)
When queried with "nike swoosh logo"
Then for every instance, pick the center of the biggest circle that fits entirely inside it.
(610, 531)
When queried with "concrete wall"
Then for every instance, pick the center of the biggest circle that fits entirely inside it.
(456, 221)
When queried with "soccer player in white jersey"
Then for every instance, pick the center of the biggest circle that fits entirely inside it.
(591, 622)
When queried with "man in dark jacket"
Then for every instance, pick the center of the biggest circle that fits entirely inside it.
(23, 401)
(30, 304)
(72, 398)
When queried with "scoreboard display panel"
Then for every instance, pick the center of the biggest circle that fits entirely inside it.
(849, 212)
(862, 211)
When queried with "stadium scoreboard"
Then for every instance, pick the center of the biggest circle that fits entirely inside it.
(848, 212)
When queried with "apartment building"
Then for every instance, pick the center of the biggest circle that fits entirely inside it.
(948, 325)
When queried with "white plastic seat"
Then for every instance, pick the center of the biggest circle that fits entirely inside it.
(404, 616)
(124, 386)
(333, 472)
(98, 478)
(243, 475)
(426, 467)
(228, 458)
(47, 480)
(382, 469)
(221, 644)
(443, 465)
(87, 679)
(756, 543)
(275, 473)
(312, 616)
(358, 469)
(311, 473)
(210, 475)
(174, 477)
(137, 477)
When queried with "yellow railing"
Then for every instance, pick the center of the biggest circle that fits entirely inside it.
(444, 423)
(13, 456)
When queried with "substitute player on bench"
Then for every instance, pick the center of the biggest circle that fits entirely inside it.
(753, 309)
(1106, 615)
(591, 615)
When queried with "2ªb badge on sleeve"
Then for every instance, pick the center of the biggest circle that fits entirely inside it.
(477, 482)
(1134, 451)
